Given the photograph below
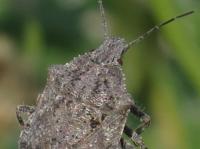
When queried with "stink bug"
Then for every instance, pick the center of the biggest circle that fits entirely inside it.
(85, 103)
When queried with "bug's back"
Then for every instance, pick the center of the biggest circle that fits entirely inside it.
(84, 105)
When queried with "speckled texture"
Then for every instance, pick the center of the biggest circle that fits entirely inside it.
(84, 104)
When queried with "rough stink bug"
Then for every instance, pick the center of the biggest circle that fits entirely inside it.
(85, 103)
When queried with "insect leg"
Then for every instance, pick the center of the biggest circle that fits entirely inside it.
(23, 109)
(144, 118)
(135, 135)
(126, 145)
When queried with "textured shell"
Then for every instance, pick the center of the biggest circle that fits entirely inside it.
(84, 105)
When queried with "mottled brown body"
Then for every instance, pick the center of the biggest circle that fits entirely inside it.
(84, 105)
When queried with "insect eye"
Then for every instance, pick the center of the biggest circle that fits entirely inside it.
(120, 61)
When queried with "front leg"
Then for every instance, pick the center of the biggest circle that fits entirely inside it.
(144, 118)
(145, 122)
(23, 109)
(126, 145)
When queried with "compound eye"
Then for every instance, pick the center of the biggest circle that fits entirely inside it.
(120, 61)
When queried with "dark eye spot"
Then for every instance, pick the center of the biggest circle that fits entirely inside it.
(120, 61)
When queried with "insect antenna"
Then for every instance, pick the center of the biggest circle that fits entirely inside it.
(103, 20)
(157, 27)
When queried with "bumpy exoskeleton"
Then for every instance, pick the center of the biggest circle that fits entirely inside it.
(85, 103)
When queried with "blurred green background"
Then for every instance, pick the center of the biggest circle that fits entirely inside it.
(163, 72)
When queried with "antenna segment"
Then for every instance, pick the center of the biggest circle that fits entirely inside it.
(103, 20)
(157, 27)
